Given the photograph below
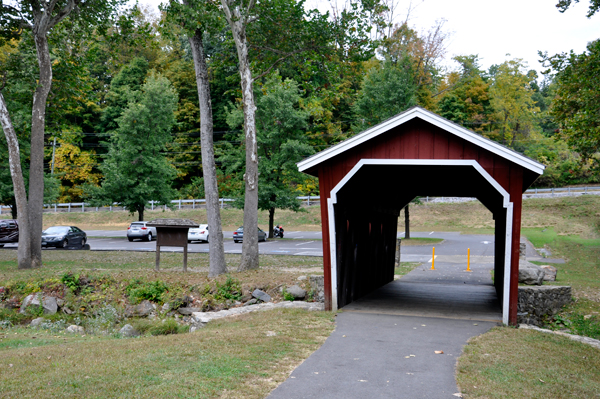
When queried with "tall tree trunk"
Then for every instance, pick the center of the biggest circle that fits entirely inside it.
(36, 168)
(16, 173)
(216, 250)
(141, 213)
(406, 223)
(238, 22)
(271, 221)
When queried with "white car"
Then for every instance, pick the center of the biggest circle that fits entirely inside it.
(198, 234)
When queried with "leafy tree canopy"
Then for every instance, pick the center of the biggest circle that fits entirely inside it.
(135, 171)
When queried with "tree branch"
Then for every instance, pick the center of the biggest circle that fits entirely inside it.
(62, 14)
(286, 56)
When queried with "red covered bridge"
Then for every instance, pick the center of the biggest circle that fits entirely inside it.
(366, 180)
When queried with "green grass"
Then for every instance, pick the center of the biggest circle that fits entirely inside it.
(228, 358)
(513, 363)
(405, 268)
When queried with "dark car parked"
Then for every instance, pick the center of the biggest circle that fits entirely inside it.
(63, 236)
(238, 235)
(9, 231)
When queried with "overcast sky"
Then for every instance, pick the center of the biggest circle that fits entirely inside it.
(494, 29)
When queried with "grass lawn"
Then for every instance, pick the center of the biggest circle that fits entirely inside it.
(513, 363)
(247, 356)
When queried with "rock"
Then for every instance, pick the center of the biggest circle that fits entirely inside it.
(302, 278)
(60, 302)
(37, 322)
(128, 331)
(251, 302)
(75, 329)
(187, 311)
(144, 309)
(166, 307)
(12, 303)
(263, 296)
(48, 303)
(550, 272)
(296, 292)
(522, 251)
(530, 274)
(246, 298)
(317, 285)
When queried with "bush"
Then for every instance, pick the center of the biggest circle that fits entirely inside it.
(137, 291)
(231, 289)
(158, 327)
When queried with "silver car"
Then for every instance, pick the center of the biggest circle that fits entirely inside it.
(142, 231)
(199, 233)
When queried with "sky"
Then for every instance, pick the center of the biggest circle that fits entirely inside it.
(493, 29)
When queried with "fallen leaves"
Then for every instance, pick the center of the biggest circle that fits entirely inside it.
(438, 352)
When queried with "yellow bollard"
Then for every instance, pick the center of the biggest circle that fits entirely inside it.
(433, 259)
(468, 259)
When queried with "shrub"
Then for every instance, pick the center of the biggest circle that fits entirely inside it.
(137, 291)
(231, 289)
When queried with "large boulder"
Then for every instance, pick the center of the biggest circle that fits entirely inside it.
(128, 331)
(144, 309)
(530, 274)
(550, 272)
(37, 322)
(73, 329)
(48, 303)
(296, 292)
(263, 296)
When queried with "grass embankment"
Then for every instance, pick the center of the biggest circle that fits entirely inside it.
(245, 357)
(232, 358)
(512, 363)
(508, 362)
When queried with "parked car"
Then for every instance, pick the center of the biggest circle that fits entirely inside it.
(141, 230)
(238, 235)
(63, 236)
(9, 231)
(198, 233)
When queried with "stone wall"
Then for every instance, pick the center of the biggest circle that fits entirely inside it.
(541, 302)
(317, 285)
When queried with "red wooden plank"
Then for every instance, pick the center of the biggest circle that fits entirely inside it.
(471, 151)
(426, 138)
(441, 144)
(455, 147)
(502, 172)
(324, 191)
(516, 197)
(411, 145)
(486, 160)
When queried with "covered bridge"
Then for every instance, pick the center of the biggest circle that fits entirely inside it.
(366, 180)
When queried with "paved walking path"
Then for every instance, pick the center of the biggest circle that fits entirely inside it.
(384, 344)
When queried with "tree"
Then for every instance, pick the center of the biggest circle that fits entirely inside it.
(281, 143)
(134, 170)
(512, 100)
(577, 100)
(465, 97)
(199, 18)
(39, 17)
(275, 31)
(386, 91)
(563, 5)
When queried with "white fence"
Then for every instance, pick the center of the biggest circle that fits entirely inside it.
(306, 201)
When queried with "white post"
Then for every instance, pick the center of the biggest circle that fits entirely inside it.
(83, 207)
(69, 207)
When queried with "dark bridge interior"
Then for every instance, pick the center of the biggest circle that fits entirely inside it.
(366, 219)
